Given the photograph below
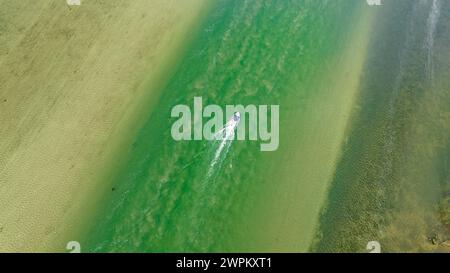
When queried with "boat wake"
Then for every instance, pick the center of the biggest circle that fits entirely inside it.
(224, 138)
(432, 21)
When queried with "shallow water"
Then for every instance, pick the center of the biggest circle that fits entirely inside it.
(264, 52)
(392, 182)
(307, 57)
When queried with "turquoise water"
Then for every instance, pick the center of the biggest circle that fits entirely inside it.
(247, 52)
(390, 181)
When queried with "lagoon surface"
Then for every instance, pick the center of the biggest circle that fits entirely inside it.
(364, 137)
(358, 114)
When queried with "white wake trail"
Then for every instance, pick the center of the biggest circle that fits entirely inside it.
(432, 21)
(226, 137)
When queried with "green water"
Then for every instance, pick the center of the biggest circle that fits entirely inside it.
(247, 52)
(348, 170)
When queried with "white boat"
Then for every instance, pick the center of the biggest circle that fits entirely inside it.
(227, 132)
